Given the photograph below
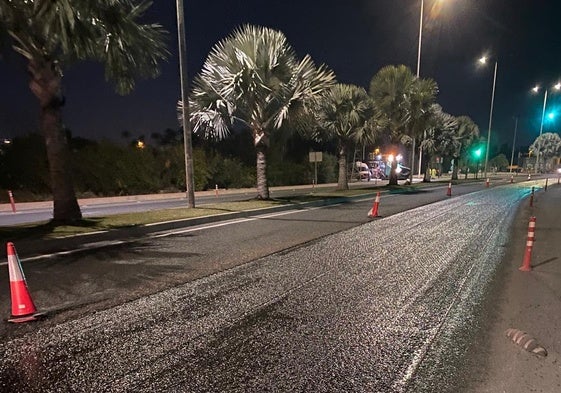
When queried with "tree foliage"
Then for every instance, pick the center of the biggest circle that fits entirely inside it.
(549, 146)
(405, 101)
(253, 80)
(346, 114)
(50, 35)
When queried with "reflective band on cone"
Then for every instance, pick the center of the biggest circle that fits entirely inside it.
(449, 192)
(527, 261)
(23, 308)
(372, 213)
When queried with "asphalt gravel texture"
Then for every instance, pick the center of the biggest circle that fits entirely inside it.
(345, 313)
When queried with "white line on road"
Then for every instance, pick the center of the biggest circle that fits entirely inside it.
(91, 246)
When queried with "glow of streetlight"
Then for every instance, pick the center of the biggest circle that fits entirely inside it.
(483, 59)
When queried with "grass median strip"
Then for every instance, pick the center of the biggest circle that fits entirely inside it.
(48, 230)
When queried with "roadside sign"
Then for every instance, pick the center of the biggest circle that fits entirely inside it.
(316, 156)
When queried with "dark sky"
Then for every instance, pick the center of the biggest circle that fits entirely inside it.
(354, 37)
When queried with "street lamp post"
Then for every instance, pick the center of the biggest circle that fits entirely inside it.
(418, 73)
(483, 60)
(420, 38)
(513, 143)
(536, 169)
(535, 90)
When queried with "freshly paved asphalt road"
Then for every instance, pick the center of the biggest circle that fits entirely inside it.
(360, 310)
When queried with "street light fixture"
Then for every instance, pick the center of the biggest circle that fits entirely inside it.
(536, 89)
(483, 60)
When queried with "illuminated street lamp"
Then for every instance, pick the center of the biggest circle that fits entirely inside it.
(483, 60)
(536, 89)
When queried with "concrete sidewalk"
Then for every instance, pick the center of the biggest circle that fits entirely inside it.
(527, 301)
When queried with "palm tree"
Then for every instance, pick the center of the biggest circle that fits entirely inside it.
(549, 146)
(405, 101)
(52, 34)
(466, 133)
(423, 96)
(253, 79)
(440, 136)
(346, 114)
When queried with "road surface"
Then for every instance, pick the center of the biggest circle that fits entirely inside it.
(386, 306)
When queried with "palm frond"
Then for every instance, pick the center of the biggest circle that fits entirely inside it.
(257, 73)
(108, 31)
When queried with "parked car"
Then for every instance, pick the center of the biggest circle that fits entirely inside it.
(364, 172)
(402, 172)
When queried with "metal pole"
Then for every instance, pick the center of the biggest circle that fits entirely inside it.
(418, 74)
(540, 137)
(420, 38)
(315, 169)
(513, 143)
(189, 178)
(490, 119)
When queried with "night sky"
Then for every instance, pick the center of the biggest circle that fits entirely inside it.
(354, 37)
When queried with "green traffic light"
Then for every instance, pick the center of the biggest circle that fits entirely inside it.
(551, 115)
(477, 152)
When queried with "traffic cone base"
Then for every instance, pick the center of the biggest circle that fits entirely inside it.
(27, 318)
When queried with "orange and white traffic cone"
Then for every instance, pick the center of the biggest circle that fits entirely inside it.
(23, 309)
(527, 261)
(449, 192)
(511, 178)
(373, 213)
(487, 183)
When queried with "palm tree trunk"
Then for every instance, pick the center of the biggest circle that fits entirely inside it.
(46, 85)
(455, 170)
(262, 186)
(342, 183)
(427, 175)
